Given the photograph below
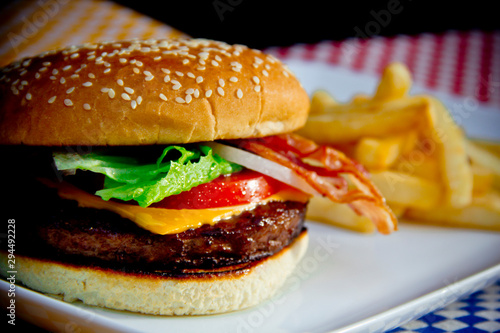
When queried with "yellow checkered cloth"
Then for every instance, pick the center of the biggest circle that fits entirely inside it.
(31, 27)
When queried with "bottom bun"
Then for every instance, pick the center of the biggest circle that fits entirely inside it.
(151, 293)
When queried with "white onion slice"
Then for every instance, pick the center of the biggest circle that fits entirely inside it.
(262, 165)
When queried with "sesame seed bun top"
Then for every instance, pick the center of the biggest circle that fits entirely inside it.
(148, 92)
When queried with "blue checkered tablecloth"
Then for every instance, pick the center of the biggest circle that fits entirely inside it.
(478, 313)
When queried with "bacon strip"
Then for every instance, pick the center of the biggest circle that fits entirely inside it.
(324, 169)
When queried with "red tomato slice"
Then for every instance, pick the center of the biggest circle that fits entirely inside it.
(229, 190)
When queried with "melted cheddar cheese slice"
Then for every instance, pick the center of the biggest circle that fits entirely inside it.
(166, 221)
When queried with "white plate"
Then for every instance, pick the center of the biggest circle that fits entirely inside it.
(347, 281)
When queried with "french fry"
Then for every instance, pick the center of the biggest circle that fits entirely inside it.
(482, 179)
(419, 163)
(360, 99)
(321, 101)
(454, 164)
(405, 190)
(395, 82)
(482, 213)
(324, 210)
(491, 146)
(379, 154)
(348, 122)
(483, 157)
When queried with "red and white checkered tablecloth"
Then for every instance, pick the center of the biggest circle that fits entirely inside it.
(459, 63)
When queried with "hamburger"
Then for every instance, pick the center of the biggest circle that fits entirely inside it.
(163, 176)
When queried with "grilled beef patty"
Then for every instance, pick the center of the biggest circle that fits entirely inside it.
(100, 237)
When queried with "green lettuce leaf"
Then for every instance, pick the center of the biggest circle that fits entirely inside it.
(127, 178)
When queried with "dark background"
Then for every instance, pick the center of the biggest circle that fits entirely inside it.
(260, 24)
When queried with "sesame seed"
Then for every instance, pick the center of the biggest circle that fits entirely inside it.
(107, 70)
(189, 98)
(147, 73)
(256, 88)
(222, 83)
(149, 78)
(15, 91)
(208, 93)
(163, 97)
(191, 75)
(185, 61)
(68, 102)
(74, 55)
(70, 90)
(215, 63)
(265, 73)
(104, 90)
(74, 76)
(87, 84)
(24, 82)
(43, 69)
(220, 91)
(218, 58)
(199, 79)
(65, 68)
(47, 63)
(176, 86)
(166, 78)
(37, 75)
(190, 91)
(239, 93)
(157, 58)
(139, 100)
(125, 96)
(23, 72)
(233, 79)
(285, 73)
(201, 68)
(91, 75)
(236, 69)
(91, 57)
(111, 93)
(28, 96)
(256, 80)
(166, 71)
(120, 82)
(133, 104)
(179, 73)
(180, 100)
(138, 63)
(133, 61)
(136, 70)
(129, 90)
(52, 99)
(123, 60)
(86, 106)
(62, 80)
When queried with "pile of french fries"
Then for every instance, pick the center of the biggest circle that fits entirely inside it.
(418, 157)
